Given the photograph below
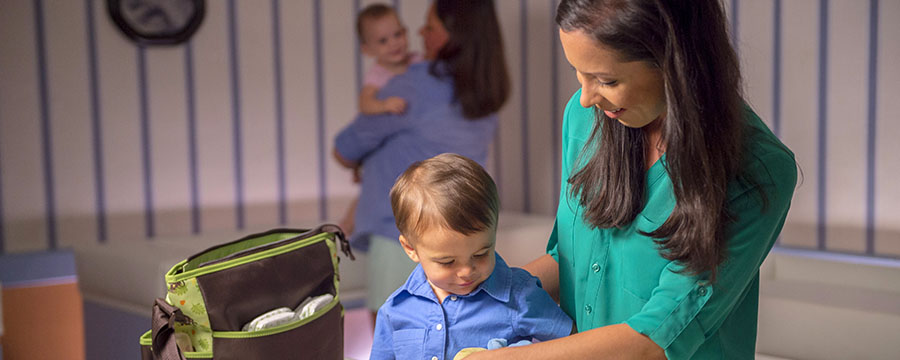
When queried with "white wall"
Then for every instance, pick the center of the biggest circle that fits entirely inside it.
(82, 160)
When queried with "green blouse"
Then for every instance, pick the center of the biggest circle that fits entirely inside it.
(616, 275)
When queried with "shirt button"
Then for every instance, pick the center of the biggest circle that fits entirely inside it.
(595, 267)
(701, 291)
(439, 327)
(587, 309)
(453, 297)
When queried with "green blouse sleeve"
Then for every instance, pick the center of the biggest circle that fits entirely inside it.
(552, 248)
(683, 311)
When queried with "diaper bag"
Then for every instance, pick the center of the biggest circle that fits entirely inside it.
(213, 295)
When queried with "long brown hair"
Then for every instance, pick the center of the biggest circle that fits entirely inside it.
(473, 56)
(703, 131)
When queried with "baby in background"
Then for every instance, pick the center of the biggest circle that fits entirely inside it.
(383, 37)
(461, 294)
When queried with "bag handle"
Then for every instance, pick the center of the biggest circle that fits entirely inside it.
(163, 330)
(345, 245)
(302, 234)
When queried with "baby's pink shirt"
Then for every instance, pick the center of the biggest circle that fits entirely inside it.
(378, 75)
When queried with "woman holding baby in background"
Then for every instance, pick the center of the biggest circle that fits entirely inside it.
(450, 105)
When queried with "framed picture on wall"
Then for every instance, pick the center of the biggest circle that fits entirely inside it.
(157, 22)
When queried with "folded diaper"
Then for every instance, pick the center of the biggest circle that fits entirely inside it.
(270, 319)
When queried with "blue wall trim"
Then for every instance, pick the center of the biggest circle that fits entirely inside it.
(192, 136)
(823, 125)
(46, 133)
(96, 123)
(776, 68)
(146, 160)
(523, 75)
(236, 116)
(320, 107)
(31, 267)
(555, 114)
(872, 127)
(279, 112)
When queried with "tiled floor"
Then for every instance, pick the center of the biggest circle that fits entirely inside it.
(357, 333)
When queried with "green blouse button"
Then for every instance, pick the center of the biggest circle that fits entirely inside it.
(595, 267)
(587, 309)
(701, 291)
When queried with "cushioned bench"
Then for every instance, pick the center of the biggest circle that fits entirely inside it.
(130, 273)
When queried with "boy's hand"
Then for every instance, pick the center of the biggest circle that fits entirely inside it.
(357, 175)
(395, 105)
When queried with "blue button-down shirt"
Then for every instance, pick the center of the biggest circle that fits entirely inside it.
(387, 144)
(510, 304)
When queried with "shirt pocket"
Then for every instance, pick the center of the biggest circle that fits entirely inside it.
(409, 343)
(641, 261)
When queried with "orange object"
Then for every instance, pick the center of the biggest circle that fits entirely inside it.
(43, 322)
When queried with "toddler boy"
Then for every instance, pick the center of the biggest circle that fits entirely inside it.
(461, 294)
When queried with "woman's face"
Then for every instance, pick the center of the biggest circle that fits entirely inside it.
(433, 34)
(631, 92)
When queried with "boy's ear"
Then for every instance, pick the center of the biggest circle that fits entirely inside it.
(410, 251)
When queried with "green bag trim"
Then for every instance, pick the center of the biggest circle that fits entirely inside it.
(183, 270)
(146, 340)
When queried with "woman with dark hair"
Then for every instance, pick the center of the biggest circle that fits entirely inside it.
(452, 104)
(674, 190)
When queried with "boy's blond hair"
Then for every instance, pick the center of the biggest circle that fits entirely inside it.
(448, 191)
(370, 13)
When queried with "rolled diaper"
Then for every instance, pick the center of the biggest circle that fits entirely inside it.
(312, 304)
(284, 315)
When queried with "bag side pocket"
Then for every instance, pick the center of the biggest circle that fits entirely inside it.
(320, 336)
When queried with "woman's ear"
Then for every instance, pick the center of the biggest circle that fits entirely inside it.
(366, 49)
(410, 251)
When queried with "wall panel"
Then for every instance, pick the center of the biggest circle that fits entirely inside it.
(24, 202)
(70, 123)
(846, 118)
(887, 163)
(234, 129)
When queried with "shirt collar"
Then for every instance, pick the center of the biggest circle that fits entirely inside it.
(497, 285)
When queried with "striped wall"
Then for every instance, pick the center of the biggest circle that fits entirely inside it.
(103, 141)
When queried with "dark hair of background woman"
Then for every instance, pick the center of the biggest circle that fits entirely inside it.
(474, 55)
(703, 130)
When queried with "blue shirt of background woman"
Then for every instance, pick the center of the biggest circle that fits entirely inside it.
(386, 144)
